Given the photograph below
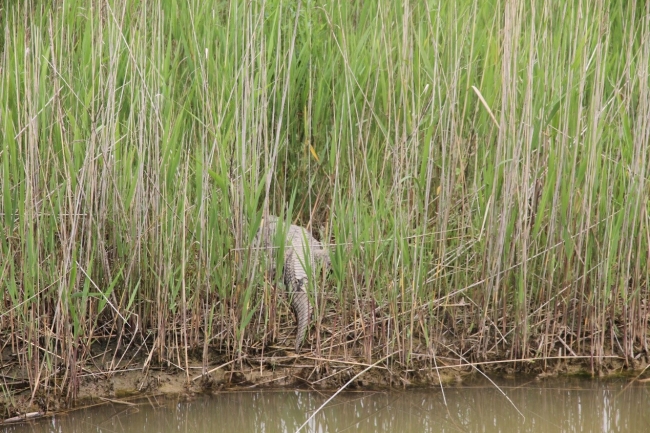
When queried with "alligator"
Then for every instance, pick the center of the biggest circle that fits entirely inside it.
(303, 256)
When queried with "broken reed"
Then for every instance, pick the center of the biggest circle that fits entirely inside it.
(479, 168)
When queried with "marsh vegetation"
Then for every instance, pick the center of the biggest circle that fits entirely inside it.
(477, 168)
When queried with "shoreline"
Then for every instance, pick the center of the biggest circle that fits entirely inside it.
(293, 372)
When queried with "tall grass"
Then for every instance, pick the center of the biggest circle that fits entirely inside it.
(478, 168)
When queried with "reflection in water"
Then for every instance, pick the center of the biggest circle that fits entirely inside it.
(563, 405)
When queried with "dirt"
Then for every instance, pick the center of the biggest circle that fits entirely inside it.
(277, 369)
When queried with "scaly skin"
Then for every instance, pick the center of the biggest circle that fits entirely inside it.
(299, 298)
(302, 253)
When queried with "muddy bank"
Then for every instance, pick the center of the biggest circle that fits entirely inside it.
(278, 369)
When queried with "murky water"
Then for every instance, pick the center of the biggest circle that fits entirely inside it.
(563, 405)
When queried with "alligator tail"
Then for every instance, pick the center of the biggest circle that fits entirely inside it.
(302, 310)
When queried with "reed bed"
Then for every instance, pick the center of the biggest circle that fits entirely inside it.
(478, 169)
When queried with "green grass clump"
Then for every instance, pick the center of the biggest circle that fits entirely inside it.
(478, 168)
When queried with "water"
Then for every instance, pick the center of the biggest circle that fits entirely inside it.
(562, 405)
